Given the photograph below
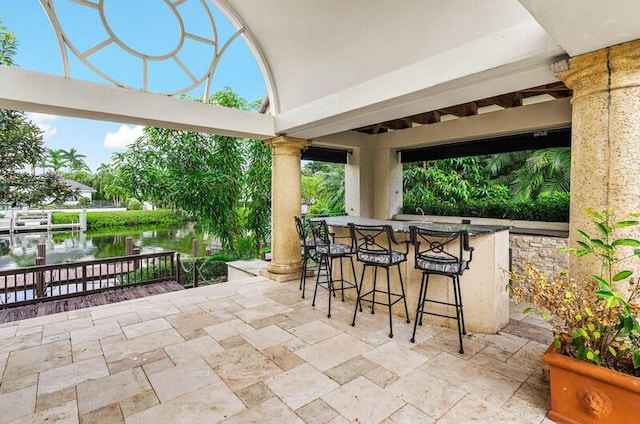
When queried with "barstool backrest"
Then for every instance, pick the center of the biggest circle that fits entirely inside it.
(320, 232)
(435, 250)
(371, 238)
(374, 244)
(304, 232)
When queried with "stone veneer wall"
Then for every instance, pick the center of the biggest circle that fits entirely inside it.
(541, 251)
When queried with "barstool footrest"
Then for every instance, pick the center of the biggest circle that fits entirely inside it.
(347, 285)
(439, 315)
(398, 297)
(439, 302)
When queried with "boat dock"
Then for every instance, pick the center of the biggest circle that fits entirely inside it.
(33, 221)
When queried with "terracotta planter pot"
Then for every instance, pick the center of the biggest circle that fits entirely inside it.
(584, 393)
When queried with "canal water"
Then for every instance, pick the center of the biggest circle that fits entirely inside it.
(20, 250)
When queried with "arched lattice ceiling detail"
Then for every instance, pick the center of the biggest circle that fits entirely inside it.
(72, 44)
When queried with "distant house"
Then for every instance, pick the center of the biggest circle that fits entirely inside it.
(83, 191)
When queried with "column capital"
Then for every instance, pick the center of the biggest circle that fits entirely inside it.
(603, 70)
(287, 145)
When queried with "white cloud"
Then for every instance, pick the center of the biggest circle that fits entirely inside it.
(45, 123)
(123, 137)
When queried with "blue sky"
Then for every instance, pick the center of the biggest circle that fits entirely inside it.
(135, 23)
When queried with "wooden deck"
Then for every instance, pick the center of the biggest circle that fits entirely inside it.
(80, 302)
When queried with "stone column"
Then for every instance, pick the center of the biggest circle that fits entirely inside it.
(286, 195)
(605, 152)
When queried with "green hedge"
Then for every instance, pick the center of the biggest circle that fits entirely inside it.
(552, 208)
(97, 220)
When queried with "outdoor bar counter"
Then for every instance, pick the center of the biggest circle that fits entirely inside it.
(483, 285)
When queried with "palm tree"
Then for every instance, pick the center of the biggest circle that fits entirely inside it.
(104, 168)
(106, 183)
(75, 161)
(500, 166)
(55, 160)
(529, 174)
(333, 189)
(546, 171)
(115, 192)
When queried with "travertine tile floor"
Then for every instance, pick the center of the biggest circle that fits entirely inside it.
(254, 351)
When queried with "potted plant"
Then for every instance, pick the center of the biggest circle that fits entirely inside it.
(595, 357)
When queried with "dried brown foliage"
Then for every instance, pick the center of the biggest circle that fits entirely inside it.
(592, 320)
(569, 306)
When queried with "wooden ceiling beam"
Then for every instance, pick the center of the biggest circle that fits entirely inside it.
(465, 109)
(507, 100)
(557, 94)
(371, 129)
(398, 124)
(408, 122)
(364, 129)
(432, 117)
(426, 118)
(556, 90)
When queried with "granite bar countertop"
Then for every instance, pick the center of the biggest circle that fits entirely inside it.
(403, 226)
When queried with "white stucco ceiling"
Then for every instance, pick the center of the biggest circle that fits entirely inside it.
(581, 26)
(351, 63)
(333, 65)
(315, 48)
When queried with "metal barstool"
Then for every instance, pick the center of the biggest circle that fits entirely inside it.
(436, 253)
(373, 245)
(307, 246)
(327, 251)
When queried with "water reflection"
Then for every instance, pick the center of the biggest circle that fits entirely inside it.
(20, 250)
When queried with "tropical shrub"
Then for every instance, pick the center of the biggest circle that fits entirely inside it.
(134, 204)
